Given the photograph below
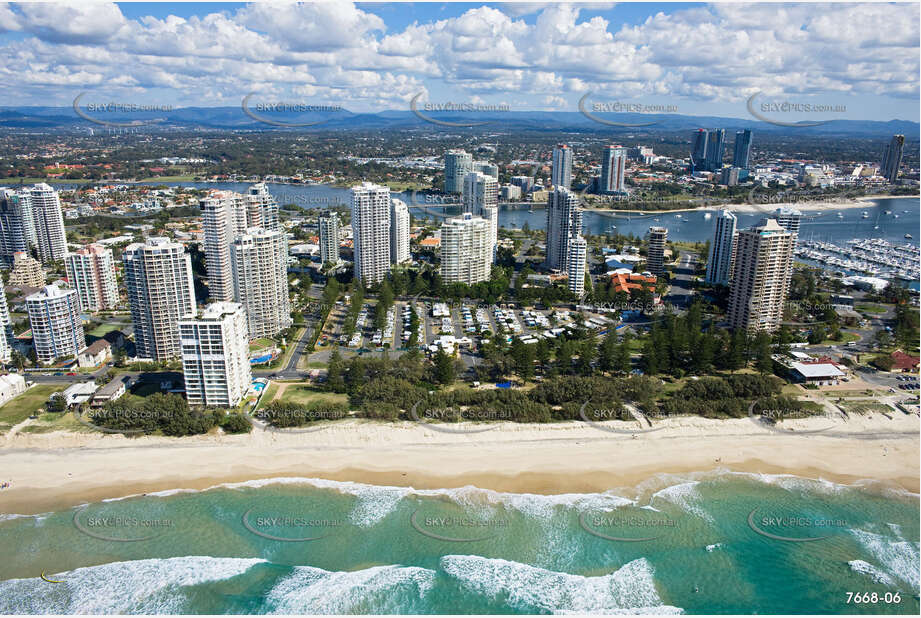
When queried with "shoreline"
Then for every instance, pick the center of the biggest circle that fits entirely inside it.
(51, 472)
(818, 205)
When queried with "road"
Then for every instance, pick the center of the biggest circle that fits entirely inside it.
(681, 283)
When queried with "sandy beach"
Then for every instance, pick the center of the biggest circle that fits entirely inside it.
(57, 470)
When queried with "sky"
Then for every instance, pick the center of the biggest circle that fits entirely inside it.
(860, 60)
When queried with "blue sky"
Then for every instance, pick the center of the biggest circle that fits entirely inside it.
(860, 60)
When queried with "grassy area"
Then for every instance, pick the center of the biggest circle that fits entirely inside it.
(864, 407)
(870, 308)
(261, 344)
(845, 338)
(19, 409)
(103, 329)
(854, 393)
(168, 179)
(304, 395)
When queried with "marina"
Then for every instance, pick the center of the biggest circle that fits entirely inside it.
(872, 256)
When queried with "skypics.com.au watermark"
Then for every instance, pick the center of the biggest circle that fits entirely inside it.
(113, 107)
(258, 111)
(634, 527)
(288, 527)
(794, 527)
(782, 112)
(621, 107)
(418, 108)
(599, 415)
(121, 528)
(437, 417)
(462, 528)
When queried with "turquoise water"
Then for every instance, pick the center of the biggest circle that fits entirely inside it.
(701, 544)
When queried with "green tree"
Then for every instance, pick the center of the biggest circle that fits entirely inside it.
(444, 372)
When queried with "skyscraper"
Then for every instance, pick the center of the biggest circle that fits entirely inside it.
(399, 232)
(715, 149)
(458, 164)
(49, 223)
(564, 221)
(561, 171)
(481, 199)
(655, 257)
(226, 215)
(261, 208)
(219, 214)
(215, 356)
(158, 278)
(613, 162)
(17, 225)
(722, 249)
(761, 277)
(575, 264)
(741, 152)
(699, 151)
(789, 219)
(892, 158)
(6, 329)
(371, 232)
(54, 316)
(328, 224)
(466, 250)
(91, 271)
(259, 259)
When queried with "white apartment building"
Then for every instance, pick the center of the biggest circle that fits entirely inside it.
(260, 280)
(561, 169)
(219, 214)
(261, 208)
(371, 232)
(6, 329)
(564, 222)
(613, 166)
(722, 249)
(17, 226)
(399, 232)
(481, 199)
(49, 223)
(789, 219)
(458, 164)
(54, 316)
(91, 271)
(655, 258)
(761, 277)
(215, 356)
(226, 215)
(158, 278)
(466, 250)
(575, 265)
(328, 225)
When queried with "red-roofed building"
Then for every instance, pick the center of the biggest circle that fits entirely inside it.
(903, 362)
(624, 282)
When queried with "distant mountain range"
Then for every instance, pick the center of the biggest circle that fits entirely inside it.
(234, 118)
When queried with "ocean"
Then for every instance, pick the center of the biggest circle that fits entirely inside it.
(719, 542)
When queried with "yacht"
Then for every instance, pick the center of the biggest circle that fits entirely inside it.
(840, 216)
(908, 236)
(864, 215)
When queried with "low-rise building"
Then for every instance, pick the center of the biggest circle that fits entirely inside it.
(95, 354)
(78, 393)
(821, 374)
(11, 385)
(111, 391)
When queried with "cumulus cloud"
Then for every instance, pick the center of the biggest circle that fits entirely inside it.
(545, 55)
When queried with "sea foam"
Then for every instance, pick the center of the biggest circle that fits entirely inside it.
(630, 589)
(376, 590)
(134, 587)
